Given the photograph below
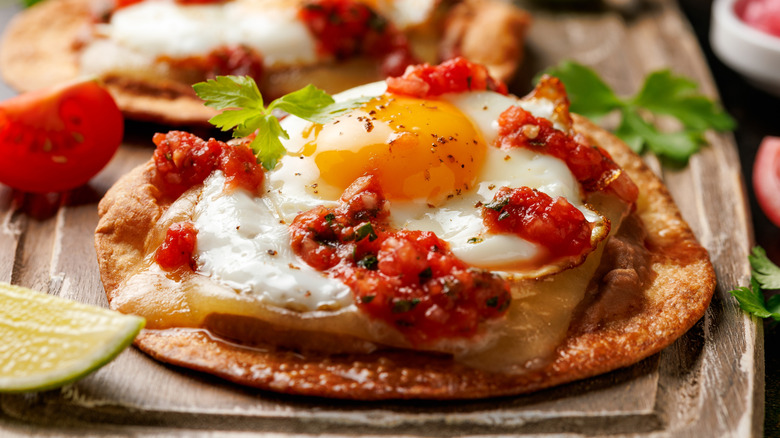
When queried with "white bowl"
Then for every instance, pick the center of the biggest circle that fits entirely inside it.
(750, 52)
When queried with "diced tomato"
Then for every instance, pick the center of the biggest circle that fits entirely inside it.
(183, 160)
(535, 216)
(592, 166)
(177, 248)
(766, 178)
(58, 138)
(348, 28)
(409, 279)
(453, 76)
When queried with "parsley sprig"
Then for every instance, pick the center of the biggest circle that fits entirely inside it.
(662, 94)
(765, 275)
(245, 112)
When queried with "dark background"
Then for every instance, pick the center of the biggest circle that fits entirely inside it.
(757, 115)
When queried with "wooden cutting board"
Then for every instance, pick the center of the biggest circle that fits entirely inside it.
(709, 383)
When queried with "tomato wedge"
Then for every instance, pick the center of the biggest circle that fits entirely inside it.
(766, 178)
(56, 139)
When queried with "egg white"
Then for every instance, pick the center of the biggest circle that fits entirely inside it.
(143, 33)
(243, 245)
(406, 13)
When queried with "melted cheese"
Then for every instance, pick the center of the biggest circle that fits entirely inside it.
(534, 326)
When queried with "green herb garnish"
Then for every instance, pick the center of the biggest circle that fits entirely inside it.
(246, 113)
(401, 306)
(369, 262)
(365, 230)
(425, 274)
(662, 94)
(765, 275)
(497, 204)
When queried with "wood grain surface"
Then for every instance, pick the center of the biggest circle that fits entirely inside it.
(709, 383)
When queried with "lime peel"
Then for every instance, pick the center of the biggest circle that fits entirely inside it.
(50, 341)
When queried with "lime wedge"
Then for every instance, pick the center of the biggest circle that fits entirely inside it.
(47, 341)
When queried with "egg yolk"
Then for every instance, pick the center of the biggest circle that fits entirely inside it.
(418, 149)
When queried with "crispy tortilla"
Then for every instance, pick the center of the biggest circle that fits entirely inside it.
(40, 48)
(654, 283)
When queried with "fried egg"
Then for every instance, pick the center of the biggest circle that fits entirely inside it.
(436, 163)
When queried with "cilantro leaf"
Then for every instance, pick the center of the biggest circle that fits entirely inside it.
(773, 305)
(267, 146)
(638, 133)
(366, 230)
(764, 271)
(631, 130)
(751, 300)
(764, 275)
(304, 103)
(230, 92)
(676, 96)
(315, 105)
(662, 94)
(369, 262)
(403, 305)
(237, 119)
(588, 94)
(245, 113)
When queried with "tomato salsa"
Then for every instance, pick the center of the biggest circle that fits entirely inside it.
(409, 279)
(591, 166)
(456, 75)
(535, 216)
(177, 248)
(183, 160)
(348, 28)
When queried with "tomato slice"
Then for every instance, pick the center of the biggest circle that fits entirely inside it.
(766, 178)
(57, 138)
